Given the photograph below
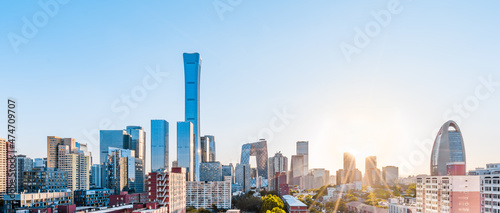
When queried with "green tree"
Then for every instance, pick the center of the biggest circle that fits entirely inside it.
(412, 190)
(269, 202)
(276, 210)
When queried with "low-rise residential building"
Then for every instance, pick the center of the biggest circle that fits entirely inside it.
(35, 200)
(360, 207)
(201, 194)
(125, 198)
(293, 205)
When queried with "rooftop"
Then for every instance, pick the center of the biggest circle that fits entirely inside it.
(292, 201)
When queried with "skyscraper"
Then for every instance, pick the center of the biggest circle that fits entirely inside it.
(159, 145)
(448, 148)
(211, 171)
(207, 147)
(111, 138)
(259, 150)
(211, 148)
(303, 149)
(390, 174)
(137, 142)
(277, 164)
(23, 164)
(185, 148)
(372, 174)
(192, 73)
(3, 166)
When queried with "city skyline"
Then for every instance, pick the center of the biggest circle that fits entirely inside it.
(387, 100)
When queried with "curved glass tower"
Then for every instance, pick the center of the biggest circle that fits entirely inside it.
(448, 148)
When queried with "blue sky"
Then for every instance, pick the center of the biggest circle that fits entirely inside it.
(262, 57)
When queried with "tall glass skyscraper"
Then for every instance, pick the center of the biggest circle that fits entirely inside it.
(138, 142)
(448, 148)
(112, 138)
(159, 145)
(185, 148)
(207, 147)
(192, 73)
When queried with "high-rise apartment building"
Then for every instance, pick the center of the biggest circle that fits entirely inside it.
(118, 170)
(448, 194)
(448, 148)
(23, 164)
(297, 169)
(192, 74)
(185, 148)
(3, 166)
(202, 194)
(73, 158)
(159, 145)
(277, 163)
(168, 189)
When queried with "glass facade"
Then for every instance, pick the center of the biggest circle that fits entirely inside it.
(192, 73)
(448, 148)
(211, 148)
(259, 150)
(112, 138)
(159, 145)
(204, 149)
(210, 171)
(138, 141)
(185, 147)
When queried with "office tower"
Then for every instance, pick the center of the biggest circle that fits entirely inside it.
(349, 168)
(228, 171)
(297, 168)
(443, 194)
(259, 150)
(201, 194)
(242, 176)
(23, 164)
(139, 176)
(120, 172)
(372, 174)
(159, 145)
(185, 148)
(137, 142)
(204, 149)
(168, 189)
(112, 138)
(390, 174)
(211, 148)
(45, 180)
(192, 73)
(321, 177)
(96, 176)
(277, 163)
(3, 166)
(40, 162)
(448, 148)
(303, 149)
(211, 171)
